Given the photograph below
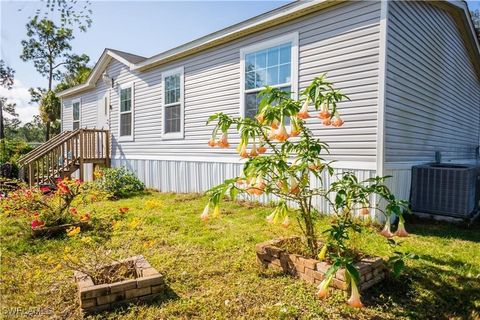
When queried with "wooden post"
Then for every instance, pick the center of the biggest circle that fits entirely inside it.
(30, 174)
(80, 156)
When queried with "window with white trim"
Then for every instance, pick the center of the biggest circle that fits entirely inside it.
(126, 111)
(76, 115)
(272, 63)
(173, 103)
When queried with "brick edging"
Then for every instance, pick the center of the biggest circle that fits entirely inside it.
(148, 286)
(270, 255)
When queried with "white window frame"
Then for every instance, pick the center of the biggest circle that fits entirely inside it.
(293, 39)
(180, 134)
(79, 101)
(121, 87)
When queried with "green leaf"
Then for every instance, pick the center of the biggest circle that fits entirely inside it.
(398, 266)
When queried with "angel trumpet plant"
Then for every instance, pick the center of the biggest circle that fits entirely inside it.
(401, 231)
(386, 229)
(322, 292)
(303, 113)
(281, 135)
(204, 215)
(354, 300)
(294, 171)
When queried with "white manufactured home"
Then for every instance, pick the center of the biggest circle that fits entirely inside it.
(411, 70)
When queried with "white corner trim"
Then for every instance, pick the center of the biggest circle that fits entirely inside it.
(382, 74)
(174, 135)
(62, 106)
(129, 138)
(294, 63)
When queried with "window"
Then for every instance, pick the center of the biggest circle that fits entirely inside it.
(173, 104)
(272, 63)
(76, 114)
(126, 98)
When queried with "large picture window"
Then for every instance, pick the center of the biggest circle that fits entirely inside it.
(76, 115)
(173, 104)
(126, 101)
(272, 63)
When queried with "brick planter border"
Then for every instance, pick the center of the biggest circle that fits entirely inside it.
(271, 255)
(147, 286)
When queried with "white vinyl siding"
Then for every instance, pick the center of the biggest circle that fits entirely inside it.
(126, 116)
(76, 114)
(271, 63)
(172, 110)
(433, 93)
(342, 41)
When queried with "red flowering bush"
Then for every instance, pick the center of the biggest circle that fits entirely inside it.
(47, 206)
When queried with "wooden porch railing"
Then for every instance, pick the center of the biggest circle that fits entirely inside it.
(65, 154)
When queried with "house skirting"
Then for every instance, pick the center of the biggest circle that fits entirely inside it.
(199, 176)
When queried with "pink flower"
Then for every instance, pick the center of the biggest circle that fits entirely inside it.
(286, 222)
(243, 152)
(303, 113)
(364, 211)
(45, 189)
(386, 229)
(338, 122)
(281, 134)
(123, 210)
(204, 215)
(73, 211)
(223, 142)
(401, 232)
(322, 292)
(253, 153)
(324, 115)
(37, 223)
(212, 143)
(354, 300)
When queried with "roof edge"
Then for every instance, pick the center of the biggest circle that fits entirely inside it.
(261, 22)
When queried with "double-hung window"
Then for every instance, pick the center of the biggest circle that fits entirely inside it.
(173, 104)
(76, 114)
(126, 100)
(272, 63)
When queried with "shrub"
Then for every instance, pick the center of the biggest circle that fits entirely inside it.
(285, 164)
(50, 207)
(119, 182)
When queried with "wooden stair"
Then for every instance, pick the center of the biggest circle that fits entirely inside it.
(64, 154)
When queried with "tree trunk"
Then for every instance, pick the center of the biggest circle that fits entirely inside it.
(2, 131)
(50, 78)
(309, 229)
(47, 131)
(2, 128)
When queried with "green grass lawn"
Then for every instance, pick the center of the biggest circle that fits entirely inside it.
(211, 271)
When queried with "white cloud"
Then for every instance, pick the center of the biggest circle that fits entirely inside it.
(19, 94)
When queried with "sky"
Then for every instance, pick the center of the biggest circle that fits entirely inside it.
(145, 28)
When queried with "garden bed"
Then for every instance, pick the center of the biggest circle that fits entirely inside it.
(271, 254)
(138, 282)
(56, 230)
